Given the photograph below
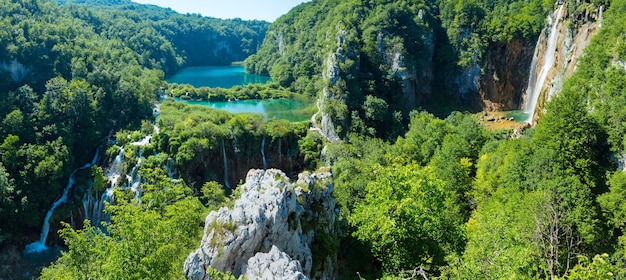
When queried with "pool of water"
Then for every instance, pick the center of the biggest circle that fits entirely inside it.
(518, 115)
(292, 110)
(216, 76)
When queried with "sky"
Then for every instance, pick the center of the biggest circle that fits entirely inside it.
(268, 10)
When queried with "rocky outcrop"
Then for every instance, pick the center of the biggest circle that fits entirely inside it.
(273, 265)
(573, 38)
(298, 219)
(505, 74)
(330, 77)
(415, 75)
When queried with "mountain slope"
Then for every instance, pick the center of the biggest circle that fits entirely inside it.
(72, 75)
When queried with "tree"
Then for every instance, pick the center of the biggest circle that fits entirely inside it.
(406, 219)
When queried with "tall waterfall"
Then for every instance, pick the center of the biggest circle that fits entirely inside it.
(535, 83)
(40, 245)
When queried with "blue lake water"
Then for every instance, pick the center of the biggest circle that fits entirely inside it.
(216, 76)
(292, 110)
(229, 76)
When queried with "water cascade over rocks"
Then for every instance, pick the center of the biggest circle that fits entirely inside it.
(94, 207)
(263, 153)
(276, 230)
(40, 245)
(535, 83)
(226, 184)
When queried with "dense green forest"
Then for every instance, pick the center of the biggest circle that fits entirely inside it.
(72, 75)
(418, 193)
(372, 51)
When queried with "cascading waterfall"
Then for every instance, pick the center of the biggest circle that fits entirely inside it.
(134, 179)
(40, 245)
(263, 153)
(94, 207)
(168, 169)
(535, 83)
(225, 166)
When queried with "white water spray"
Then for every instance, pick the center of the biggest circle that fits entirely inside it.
(94, 206)
(535, 83)
(263, 153)
(40, 245)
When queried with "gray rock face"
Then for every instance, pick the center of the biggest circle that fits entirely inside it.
(273, 265)
(271, 212)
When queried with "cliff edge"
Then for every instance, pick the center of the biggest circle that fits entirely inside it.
(276, 228)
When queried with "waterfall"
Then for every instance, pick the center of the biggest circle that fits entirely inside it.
(600, 17)
(168, 168)
(134, 179)
(40, 245)
(535, 83)
(225, 166)
(263, 153)
(94, 206)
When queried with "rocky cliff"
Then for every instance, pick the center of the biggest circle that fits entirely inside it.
(573, 38)
(505, 74)
(275, 229)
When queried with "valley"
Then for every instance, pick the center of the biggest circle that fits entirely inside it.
(435, 139)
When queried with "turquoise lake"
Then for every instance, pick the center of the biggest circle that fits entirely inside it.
(216, 76)
(229, 76)
(518, 115)
(287, 109)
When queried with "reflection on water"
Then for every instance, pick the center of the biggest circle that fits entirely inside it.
(292, 110)
(216, 76)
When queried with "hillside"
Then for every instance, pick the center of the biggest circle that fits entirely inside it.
(401, 55)
(72, 75)
(395, 184)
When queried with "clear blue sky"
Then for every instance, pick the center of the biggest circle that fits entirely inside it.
(268, 10)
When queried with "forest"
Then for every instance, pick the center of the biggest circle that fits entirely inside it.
(422, 187)
(71, 76)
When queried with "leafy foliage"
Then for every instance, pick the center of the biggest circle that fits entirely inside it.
(71, 75)
(145, 239)
(405, 217)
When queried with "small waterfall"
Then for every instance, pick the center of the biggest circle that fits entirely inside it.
(168, 168)
(225, 166)
(263, 153)
(134, 179)
(94, 206)
(600, 17)
(40, 245)
(535, 83)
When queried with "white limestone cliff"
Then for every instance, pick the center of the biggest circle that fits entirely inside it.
(271, 214)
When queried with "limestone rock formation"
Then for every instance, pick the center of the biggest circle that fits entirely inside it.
(273, 265)
(298, 219)
(505, 78)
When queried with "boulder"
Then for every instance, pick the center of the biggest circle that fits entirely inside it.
(273, 265)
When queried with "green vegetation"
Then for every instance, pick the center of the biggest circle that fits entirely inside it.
(545, 205)
(369, 50)
(146, 239)
(197, 137)
(417, 194)
(72, 75)
(251, 91)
